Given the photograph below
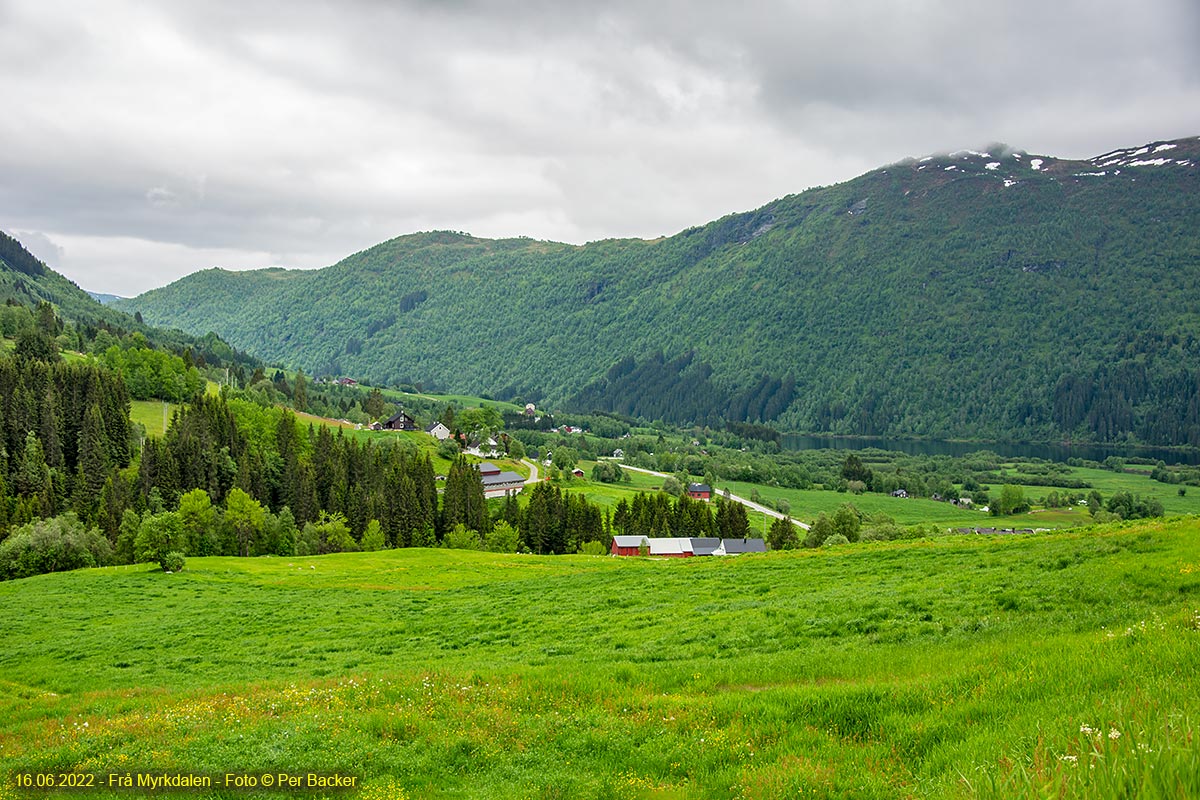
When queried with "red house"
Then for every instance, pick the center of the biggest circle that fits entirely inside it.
(699, 491)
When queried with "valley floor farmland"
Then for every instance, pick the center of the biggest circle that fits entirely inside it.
(1061, 664)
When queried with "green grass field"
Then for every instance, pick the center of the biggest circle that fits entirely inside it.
(807, 504)
(149, 414)
(1054, 665)
(464, 400)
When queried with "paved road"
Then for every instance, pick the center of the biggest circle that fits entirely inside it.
(533, 470)
(770, 512)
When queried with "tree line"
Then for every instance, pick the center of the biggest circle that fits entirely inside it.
(232, 477)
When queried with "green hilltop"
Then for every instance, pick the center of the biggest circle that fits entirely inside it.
(981, 295)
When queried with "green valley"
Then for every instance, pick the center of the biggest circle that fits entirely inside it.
(976, 296)
(254, 576)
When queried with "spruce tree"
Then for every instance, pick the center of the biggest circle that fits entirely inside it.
(300, 393)
(93, 463)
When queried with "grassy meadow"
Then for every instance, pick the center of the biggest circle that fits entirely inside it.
(806, 504)
(1062, 664)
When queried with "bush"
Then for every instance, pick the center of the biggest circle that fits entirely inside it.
(502, 538)
(607, 472)
(173, 561)
(592, 549)
(822, 529)
(836, 539)
(329, 534)
(782, 535)
(460, 537)
(882, 532)
(373, 538)
(448, 449)
(52, 545)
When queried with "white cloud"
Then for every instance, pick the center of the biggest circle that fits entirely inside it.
(129, 265)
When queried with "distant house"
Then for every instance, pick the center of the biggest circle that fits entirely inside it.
(628, 545)
(671, 547)
(438, 431)
(346, 382)
(705, 546)
(618, 453)
(699, 491)
(483, 449)
(400, 422)
(577, 472)
(735, 547)
(900, 493)
(375, 426)
(530, 409)
(497, 483)
(996, 531)
(684, 547)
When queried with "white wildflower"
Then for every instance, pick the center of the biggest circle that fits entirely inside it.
(1113, 733)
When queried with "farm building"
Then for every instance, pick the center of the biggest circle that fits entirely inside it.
(684, 547)
(400, 422)
(699, 491)
(627, 545)
(497, 483)
(438, 431)
(734, 547)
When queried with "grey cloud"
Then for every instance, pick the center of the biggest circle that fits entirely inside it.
(42, 246)
(302, 130)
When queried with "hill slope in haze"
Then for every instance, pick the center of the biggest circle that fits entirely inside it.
(974, 295)
(27, 281)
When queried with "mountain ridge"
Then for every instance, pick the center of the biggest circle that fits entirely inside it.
(973, 294)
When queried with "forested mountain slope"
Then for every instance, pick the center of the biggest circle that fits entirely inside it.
(976, 295)
(26, 281)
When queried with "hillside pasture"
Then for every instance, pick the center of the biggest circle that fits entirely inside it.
(153, 415)
(1060, 664)
(806, 504)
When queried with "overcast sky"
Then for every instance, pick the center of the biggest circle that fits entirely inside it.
(141, 141)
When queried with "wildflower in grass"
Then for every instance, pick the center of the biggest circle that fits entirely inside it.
(1086, 729)
(390, 790)
(1113, 733)
(1070, 759)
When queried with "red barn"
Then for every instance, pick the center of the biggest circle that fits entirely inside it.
(627, 545)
